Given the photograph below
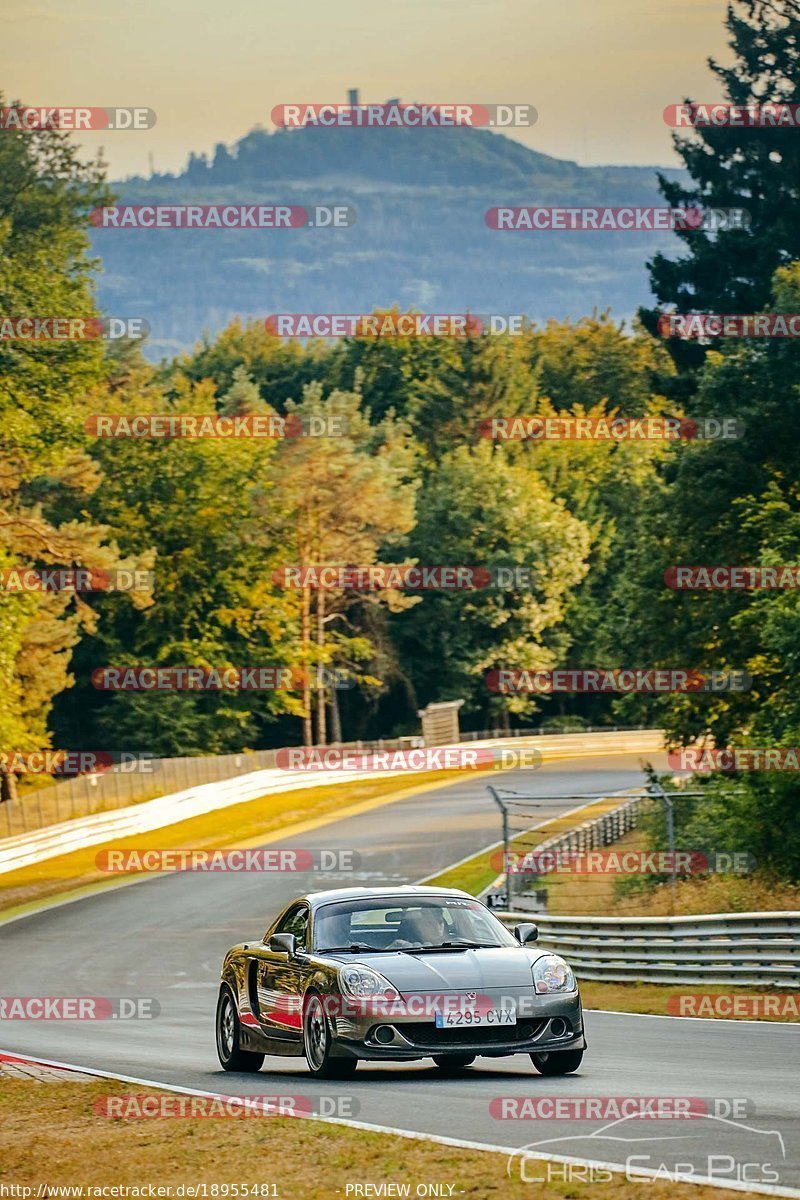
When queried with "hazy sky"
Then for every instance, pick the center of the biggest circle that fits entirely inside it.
(600, 72)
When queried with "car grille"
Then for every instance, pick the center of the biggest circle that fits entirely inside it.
(425, 1035)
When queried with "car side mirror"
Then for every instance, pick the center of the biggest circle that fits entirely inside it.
(526, 932)
(283, 943)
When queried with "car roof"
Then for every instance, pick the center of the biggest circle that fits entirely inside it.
(317, 899)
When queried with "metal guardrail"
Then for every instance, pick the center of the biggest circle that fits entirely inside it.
(520, 838)
(761, 949)
(599, 831)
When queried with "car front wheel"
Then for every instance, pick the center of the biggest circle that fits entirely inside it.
(318, 1043)
(230, 1054)
(557, 1062)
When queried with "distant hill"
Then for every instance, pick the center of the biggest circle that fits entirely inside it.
(419, 239)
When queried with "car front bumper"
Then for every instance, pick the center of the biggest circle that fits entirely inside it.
(544, 1024)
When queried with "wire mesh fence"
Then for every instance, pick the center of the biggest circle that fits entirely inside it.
(141, 779)
(539, 854)
(562, 727)
(569, 864)
(144, 778)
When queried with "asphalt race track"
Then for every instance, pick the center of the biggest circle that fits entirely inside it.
(165, 938)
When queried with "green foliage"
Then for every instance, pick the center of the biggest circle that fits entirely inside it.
(46, 476)
(757, 170)
(188, 504)
(411, 478)
(478, 507)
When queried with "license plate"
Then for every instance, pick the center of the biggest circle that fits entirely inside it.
(469, 1019)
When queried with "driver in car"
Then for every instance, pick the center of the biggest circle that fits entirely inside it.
(420, 927)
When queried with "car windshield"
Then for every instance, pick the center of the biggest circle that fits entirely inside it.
(408, 923)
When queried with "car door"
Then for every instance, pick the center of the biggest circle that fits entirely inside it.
(280, 980)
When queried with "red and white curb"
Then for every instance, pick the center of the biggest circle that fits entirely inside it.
(14, 1067)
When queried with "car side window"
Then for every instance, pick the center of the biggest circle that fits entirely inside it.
(296, 922)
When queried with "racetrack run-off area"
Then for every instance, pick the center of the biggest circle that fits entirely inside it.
(165, 939)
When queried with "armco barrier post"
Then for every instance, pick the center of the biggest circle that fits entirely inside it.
(504, 811)
(658, 791)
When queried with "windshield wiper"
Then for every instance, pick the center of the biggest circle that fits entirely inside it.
(456, 944)
(464, 944)
(355, 947)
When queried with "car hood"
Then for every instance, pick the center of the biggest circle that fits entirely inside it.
(452, 970)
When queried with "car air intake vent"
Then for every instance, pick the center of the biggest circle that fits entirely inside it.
(425, 1035)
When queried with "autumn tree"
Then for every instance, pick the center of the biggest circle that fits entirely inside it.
(337, 499)
(46, 475)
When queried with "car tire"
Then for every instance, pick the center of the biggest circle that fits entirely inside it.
(229, 1052)
(453, 1062)
(318, 1043)
(557, 1062)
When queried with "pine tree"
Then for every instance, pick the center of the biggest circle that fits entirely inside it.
(756, 169)
(242, 397)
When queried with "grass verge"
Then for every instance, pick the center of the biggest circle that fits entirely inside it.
(50, 1134)
(652, 998)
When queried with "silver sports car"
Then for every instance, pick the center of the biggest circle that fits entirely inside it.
(396, 973)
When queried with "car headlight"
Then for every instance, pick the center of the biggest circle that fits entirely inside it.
(362, 983)
(552, 974)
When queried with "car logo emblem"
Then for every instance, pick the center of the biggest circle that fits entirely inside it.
(472, 995)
